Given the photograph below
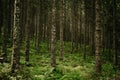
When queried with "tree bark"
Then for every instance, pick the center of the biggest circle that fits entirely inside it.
(5, 29)
(38, 29)
(114, 34)
(61, 29)
(92, 21)
(16, 38)
(85, 29)
(27, 33)
(53, 36)
(98, 37)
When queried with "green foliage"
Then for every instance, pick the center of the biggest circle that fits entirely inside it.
(72, 76)
(108, 70)
(73, 67)
(4, 71)
(25, 73)
(53, 74)
(4, 76)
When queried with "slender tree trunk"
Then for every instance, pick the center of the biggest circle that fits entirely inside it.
(16, 38)
(114, 34)
(76, 23)
(12, 20)
(38, 30)
(24, 16)
(65, 29)
(27, 33)
(35, 34)
(1, 23)
(53, 36)
(80, 38)
(92, 51)
(109, 45)
(86, 25)
(73, 36)
(61, 29)
(115, 55)
(49, 28)
(98, 37)
(5, 30)
(57, 20)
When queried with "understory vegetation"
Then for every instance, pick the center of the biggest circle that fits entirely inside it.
(73, 67)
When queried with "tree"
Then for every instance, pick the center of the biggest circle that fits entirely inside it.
(97, 37)
(74, 11)
(86, 25)
(80, 24)
(16, 38)
(114, 34)
(61, 29)
(27, 32)
(92, 30)
(53, 36)
(1, 22)
(5, 29)
(38, 28)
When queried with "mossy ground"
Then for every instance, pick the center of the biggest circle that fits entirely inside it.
(73, 66)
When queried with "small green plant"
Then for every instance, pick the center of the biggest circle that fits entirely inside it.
(5, 72)
(108, 70)
(4, 75)
(53, 74)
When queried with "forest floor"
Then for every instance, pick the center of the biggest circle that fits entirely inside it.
(73, 66)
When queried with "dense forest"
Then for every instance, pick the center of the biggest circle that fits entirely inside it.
(59, 40)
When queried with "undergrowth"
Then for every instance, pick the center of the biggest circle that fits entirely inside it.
(73, 67)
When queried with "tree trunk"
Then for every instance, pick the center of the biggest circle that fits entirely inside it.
(114, 34)
(1, 23)
(61, 29)
(85, 31)
(12, 21)
(16, 38)
(27, 33)
(38, 29)
(5, 29)
(80, 24)
(98, 37)
(53, 36)
(92, 19)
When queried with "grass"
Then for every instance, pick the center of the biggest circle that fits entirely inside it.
(73, 67)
